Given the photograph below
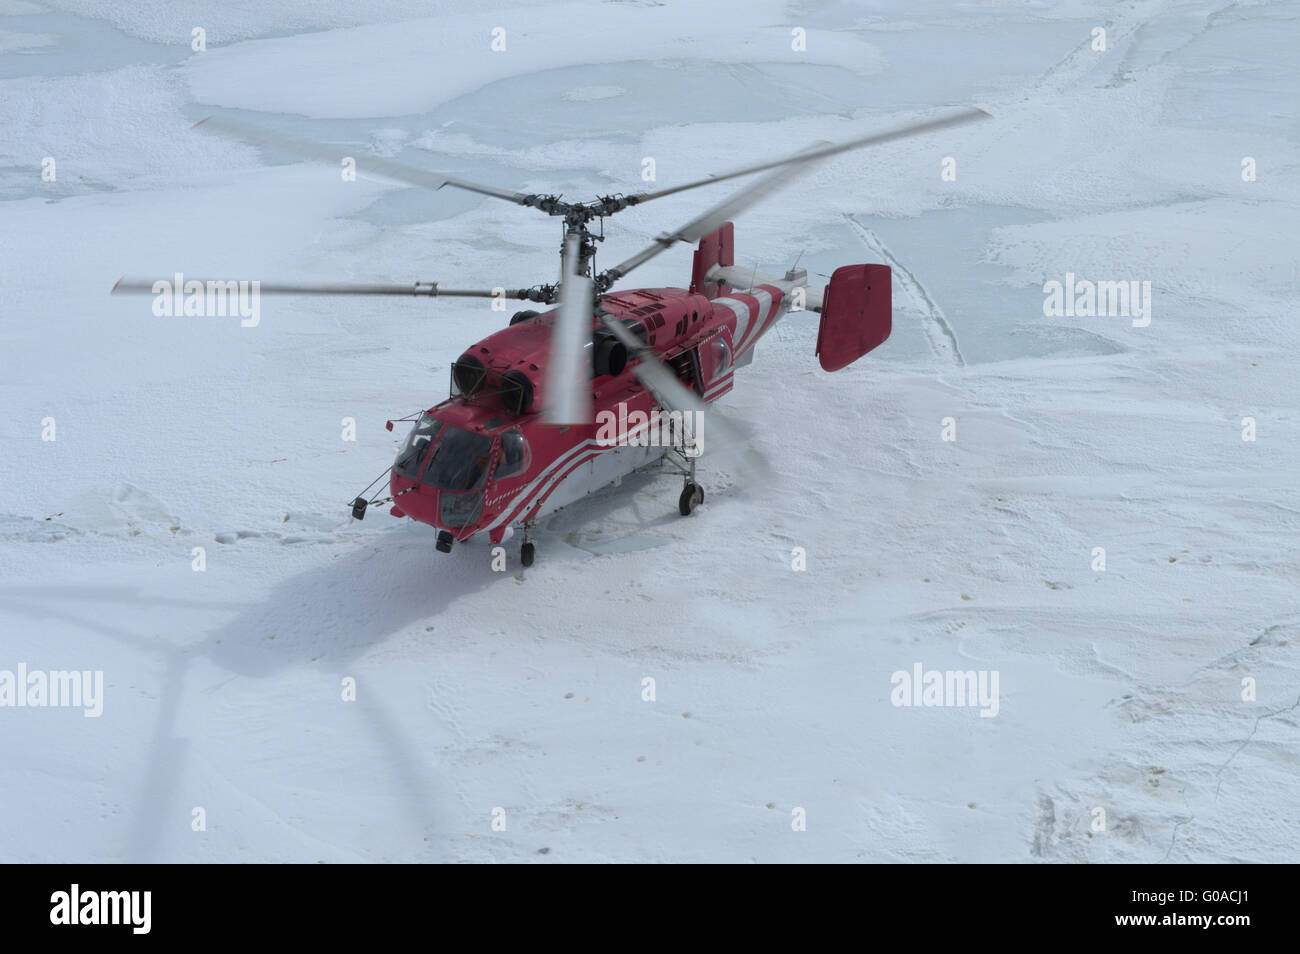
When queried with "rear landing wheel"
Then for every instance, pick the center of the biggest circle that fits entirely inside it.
(692, 496)
(526, 553)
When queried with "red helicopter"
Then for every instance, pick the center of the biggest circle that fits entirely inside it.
(566, 401)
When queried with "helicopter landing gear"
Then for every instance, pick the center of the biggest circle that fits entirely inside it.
(445, 540)
(692, 493)
(527, 552)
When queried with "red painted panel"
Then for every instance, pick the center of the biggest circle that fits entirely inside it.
(855, 314)
(716, 248)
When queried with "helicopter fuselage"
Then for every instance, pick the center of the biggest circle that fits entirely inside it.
(508, 469)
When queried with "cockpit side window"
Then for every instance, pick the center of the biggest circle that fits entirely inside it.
(720, 354)
(513, 456)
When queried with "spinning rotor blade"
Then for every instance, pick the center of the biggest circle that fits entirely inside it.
(145, 286)
(822, 152)
(652, 372)
(568, 372)
(388, 169)
(784, 172)
(662, 383)
(699, 227)
(675, 396)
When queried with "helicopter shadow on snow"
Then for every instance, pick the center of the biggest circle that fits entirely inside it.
(335, 613)
(332, 614)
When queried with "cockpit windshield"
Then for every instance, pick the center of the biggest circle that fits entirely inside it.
(459, 461)
(416, 448)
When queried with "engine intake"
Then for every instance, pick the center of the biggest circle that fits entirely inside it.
(608, 356)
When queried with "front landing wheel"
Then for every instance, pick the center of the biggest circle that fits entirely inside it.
(526, 553)
(692, 496)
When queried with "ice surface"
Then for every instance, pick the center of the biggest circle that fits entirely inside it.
(1120, 690)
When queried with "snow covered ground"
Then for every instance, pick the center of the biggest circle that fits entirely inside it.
(1126, 728)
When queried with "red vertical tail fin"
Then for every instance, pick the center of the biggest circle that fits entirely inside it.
(716, 248)
(855, 314)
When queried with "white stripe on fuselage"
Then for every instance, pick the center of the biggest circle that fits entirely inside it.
(527, 492)
(553, 472)
(742, 318)
(744, 324)
(766, 312)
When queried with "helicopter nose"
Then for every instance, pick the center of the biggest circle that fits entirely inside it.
(460, 513)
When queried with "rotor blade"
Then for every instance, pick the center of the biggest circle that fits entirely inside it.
(784, 171)
(568, 371)
(675, 396)
(822, 152)
(333, 154)
(701, 226)
(148, 286)
(651, 372)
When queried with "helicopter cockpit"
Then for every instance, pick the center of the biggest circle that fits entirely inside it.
(456, 462)
(444, 457)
